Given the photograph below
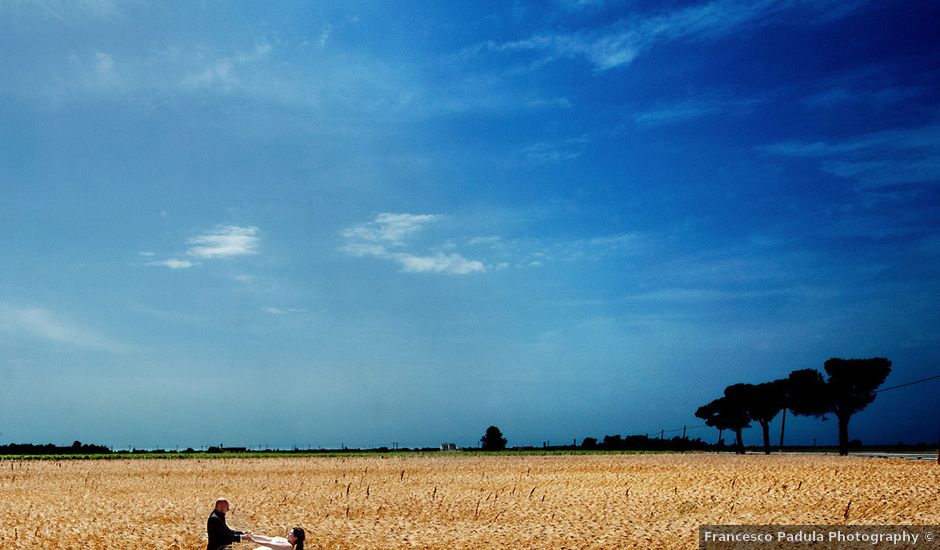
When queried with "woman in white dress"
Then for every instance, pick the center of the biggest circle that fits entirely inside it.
(293, 541)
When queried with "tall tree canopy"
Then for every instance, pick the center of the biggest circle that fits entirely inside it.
(726, 413)
(763, 403)
(851, 388)
(804, 394)
(807, 394)
(493, 440)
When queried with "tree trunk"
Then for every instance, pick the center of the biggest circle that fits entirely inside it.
(844, 434)
(739, 441)
(783, 424)
(765, 425)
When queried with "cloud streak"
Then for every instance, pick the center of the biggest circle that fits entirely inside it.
(898, 156)
(685, 295)
(225, 241)
(387, 237)
(270, 310)
(391, 229)
(625, 40)
(46, 325)
(222, 73)
(454, 264)
(550, 152)
(173, 263)
(691, 109)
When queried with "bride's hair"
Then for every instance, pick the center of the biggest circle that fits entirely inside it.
(299, 533)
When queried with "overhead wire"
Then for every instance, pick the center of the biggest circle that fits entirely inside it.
(909, 383)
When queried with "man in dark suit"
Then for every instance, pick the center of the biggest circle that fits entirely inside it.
(220, 536)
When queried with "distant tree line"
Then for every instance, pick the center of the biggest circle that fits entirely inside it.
(848, 388)
(49, 449)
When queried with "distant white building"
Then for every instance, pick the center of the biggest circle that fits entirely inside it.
(448, 446)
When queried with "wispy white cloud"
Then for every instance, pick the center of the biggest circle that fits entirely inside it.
(605, 50)
(347, 86)
(390, 229)
(90, 72)
(387, 237)
(46, 325)
(69, 12)
(618, 241)
(222, 73)
(887, 171)
(578, 5)
(532, 253)
(173, 263)
(693, 294)
(169, 74)
(224, 242)
(904, 155)
(439, 263)
(104, 63)
(282, 311)
(889, 95)
(820, 149)
(622, 42)
(689, 109)
(548, 152)
(871, 86)
(480, 97)
(491, 240)
(325, 34)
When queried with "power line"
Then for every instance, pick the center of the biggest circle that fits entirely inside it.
(679, 429)
(684, 428)
(909, 383)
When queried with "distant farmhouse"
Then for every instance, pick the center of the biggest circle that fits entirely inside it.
(449, 447)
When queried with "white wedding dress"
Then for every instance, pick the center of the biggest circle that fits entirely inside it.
(281, 540)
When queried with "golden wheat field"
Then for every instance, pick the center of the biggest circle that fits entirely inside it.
(587, 501)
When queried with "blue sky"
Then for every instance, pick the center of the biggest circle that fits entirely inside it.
(364, 223)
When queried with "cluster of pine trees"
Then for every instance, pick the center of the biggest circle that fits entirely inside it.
(848, 388)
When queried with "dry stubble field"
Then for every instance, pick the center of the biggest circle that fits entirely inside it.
(592, 501)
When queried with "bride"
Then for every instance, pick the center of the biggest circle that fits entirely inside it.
(294, 541)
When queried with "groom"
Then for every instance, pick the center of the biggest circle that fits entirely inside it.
(220, 536)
